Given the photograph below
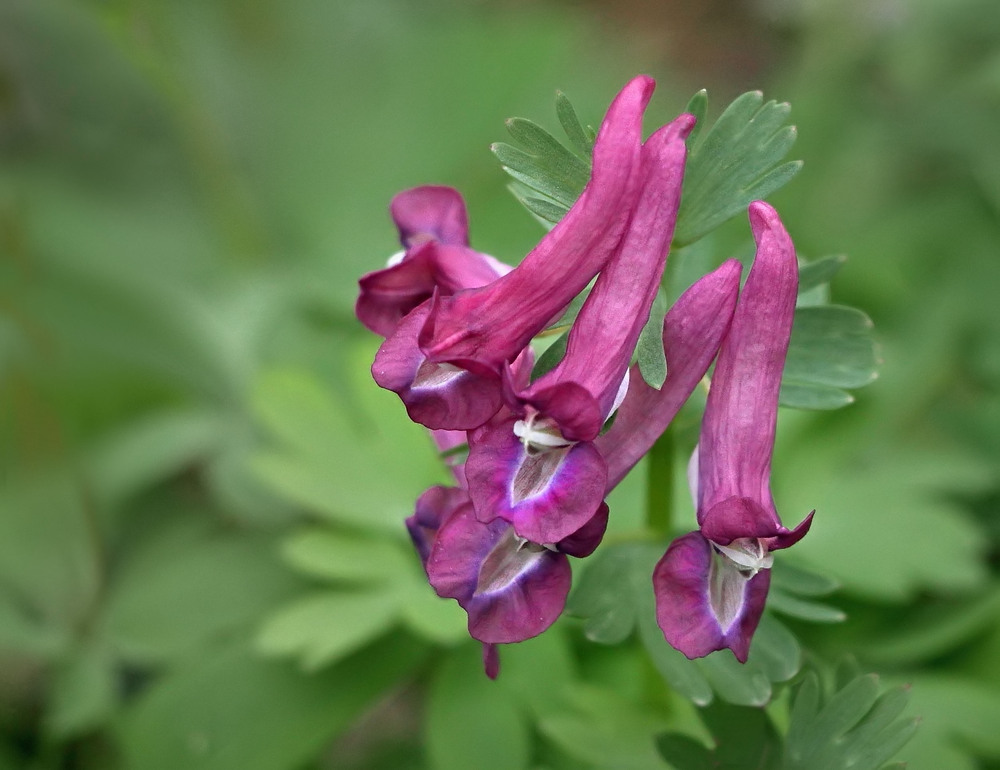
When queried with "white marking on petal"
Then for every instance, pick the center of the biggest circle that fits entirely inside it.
(507, 562)
(432, 375)
(395, 259)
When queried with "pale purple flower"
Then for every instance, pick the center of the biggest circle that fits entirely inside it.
(711, 585)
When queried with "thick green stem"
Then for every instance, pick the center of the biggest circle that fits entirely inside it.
(660, 485)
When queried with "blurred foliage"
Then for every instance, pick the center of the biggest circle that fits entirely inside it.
(201, 561)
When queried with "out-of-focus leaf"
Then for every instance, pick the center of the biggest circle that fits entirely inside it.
(868, 498)
(323, 628)
(935, 629)
(50, 550)
(789, 584)
(602, 596)
(744, 738)
(471, 722)
(601, 729)
(958, 719)
(84, 692)
(856, 728)
(324, 553)
(435, 619)
(337, 456)
(152, 449)
(818, 272)
(231, 710)
(736, 161)
(179, 592)
(831, 348)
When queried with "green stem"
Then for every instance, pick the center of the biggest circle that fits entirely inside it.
(660, 485)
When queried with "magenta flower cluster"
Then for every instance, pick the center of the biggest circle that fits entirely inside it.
(541, 457)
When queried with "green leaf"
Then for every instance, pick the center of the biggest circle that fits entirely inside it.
(959, 715)
(582, 138)
(230, 710)
(151, 449)
(600, 728)
(790, 583)
(323, 628)
(187, 585)
(435, 619)
(856, 728)
(335, 457)
(602, 596)
(324, 553)
(548, 176)
(684, 752)
(736, 161)
(935, 628)
(84, 692)
(542, 163)
(819, 272)
(550, 357)
(831, 348)
(471, 721)
(652, 359)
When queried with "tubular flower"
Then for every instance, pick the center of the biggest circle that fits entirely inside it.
(711, 585)
(535, 465)
(478, 331)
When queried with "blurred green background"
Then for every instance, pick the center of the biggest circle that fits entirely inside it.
(202, 563)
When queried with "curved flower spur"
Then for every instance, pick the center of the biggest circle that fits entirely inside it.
(711, 585)
(446, 358)
(535, 463)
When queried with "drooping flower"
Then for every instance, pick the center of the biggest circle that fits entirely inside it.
(512, 589)
(535, 464)
(711, 585)
(464, 340)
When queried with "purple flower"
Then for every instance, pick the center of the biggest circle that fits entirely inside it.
(511, 588)
(711, 585)
(478, 331)
(433, 228)
(535, 465)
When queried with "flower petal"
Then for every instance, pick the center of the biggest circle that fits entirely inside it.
(547, 495)
(585, 540)
(387, 295)
(511, 590)
(692, 332)
(489, 326)
(703, 602)
(430, 213)
(438, 396)
(434, 507)
(605, 333)
(737, 433)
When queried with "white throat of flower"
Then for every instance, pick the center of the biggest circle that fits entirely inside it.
(540, 434)
(749, 554)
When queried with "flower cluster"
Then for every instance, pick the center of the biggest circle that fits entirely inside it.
(541, 457)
